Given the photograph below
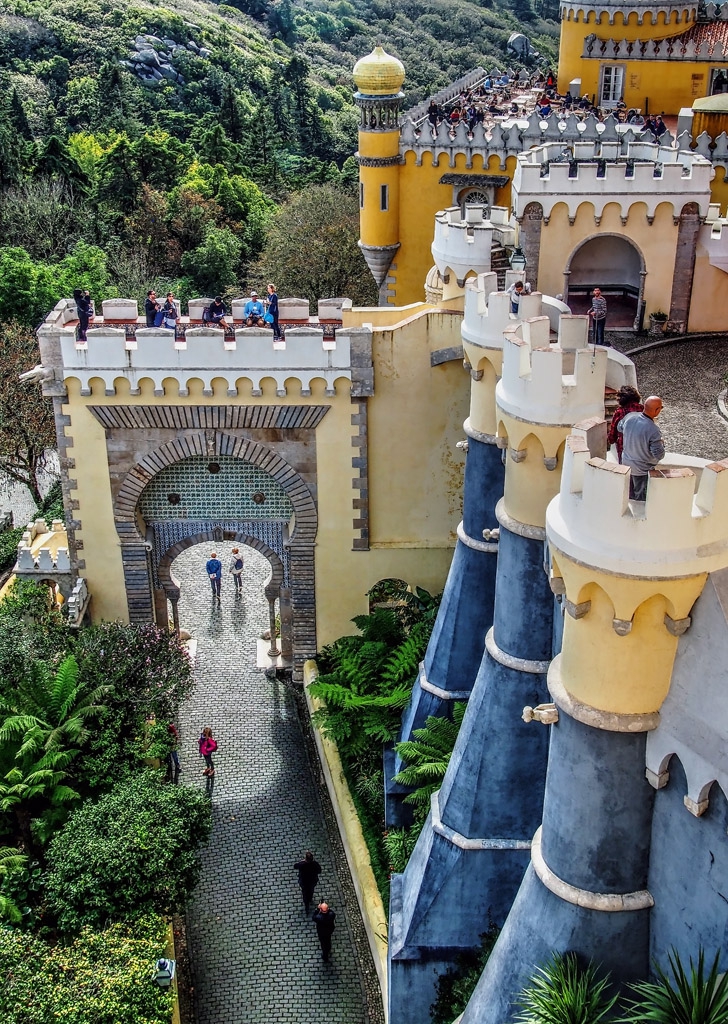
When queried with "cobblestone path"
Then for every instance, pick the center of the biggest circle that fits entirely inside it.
(256, 956)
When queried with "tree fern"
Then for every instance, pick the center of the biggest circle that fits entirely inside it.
(427, 756)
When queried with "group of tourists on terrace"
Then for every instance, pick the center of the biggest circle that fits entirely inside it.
(507, 98)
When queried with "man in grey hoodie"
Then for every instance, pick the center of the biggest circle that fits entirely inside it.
(643, 445)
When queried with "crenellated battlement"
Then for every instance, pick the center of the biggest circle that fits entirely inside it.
(547, 384)
(681, 529)
(645, 11)
(607, 172)
(462, 244)
(488, 311)
(203, 353)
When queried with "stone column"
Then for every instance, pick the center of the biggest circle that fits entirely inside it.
(530, 240)
(629, 579)
(682, 282)
(474, 849)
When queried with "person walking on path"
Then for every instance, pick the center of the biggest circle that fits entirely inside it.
(629, 401)
(643, 445)
(598, 314)
(324, 918)
(208, 746)
(273, 311)
(173, 765)
(214, 571)
(308, 872)
(236, 568)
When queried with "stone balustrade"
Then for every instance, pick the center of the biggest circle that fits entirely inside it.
(78, 602)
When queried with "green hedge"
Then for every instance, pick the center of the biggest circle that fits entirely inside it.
(99, 978)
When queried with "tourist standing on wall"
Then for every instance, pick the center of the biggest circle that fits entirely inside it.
(629, 401)
(324, 918)
(643, 446)
(151, 308)
(214, 571)
(273, 311)
(598, 314)
(84, 308)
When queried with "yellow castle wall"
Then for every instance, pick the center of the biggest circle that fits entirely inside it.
(415, 473)
(669, 85)
(421, 196)
(657, 242)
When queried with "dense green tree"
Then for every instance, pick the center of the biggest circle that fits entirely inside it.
(119, 178)
(323, 223)
(56, 161)
(214, 266)
(43, 215)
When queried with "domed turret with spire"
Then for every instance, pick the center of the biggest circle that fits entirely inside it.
(379, 78)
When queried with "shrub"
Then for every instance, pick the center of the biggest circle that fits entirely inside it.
(564, 992)
(105, 977)
(427, 756)
(132, 852)
(682, 999)
(455, 987)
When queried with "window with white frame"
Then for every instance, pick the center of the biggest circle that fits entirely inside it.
(612, 85)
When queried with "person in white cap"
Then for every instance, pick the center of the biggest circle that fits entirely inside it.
(254, 312)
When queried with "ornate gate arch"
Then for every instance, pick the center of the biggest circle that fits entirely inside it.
(137, 542)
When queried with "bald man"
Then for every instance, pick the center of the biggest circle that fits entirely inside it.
(323, 918)
(643, 445)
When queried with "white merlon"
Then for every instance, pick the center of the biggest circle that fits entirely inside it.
(598, 173)
(543, 384)
(120, 309)
(681, 529)
(42, 561)
(487, 313)
(571, 10)
(205, 353)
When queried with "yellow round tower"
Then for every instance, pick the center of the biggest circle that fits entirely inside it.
(609, 50)
(379, 79)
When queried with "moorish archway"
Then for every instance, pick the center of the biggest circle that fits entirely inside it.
(145, 545)
(615, 264)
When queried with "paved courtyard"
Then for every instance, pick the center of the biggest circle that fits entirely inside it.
(256, 957)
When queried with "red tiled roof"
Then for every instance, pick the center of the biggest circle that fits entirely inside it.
(714, 33)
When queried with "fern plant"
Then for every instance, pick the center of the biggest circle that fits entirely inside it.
(367, 680)
(427, 756)
(683, 998)
(563, 992)
(11, 860)
(399, 844)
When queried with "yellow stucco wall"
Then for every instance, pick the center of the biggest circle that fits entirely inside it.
(421, 196)
(415, 472)
(657, 242)
(710, 295)
(668, 85)
(609, 682)
(377, 226)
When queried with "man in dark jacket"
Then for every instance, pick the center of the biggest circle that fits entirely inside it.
(308, 872)
(151, 307)
(324, 918)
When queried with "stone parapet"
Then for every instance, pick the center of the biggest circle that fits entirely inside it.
(204, 353)
(543, 384)
(602, 173)
(575, 11)
(681, 530)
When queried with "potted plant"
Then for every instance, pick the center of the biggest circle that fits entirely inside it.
(658, 319)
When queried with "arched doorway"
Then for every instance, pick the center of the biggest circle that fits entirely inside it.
(613, 263)
(212, 487)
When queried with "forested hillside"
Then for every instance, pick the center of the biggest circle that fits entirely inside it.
(157, 145)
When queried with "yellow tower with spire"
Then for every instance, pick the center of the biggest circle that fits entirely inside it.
(379, 96)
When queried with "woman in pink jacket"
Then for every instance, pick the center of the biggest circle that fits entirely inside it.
(207, 746)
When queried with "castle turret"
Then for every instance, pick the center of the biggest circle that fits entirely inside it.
(628, 577)
(379, 79)
(474, 849)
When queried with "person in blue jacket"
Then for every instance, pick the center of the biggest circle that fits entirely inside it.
(214, 571)
(273, 310)
(254, 312)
